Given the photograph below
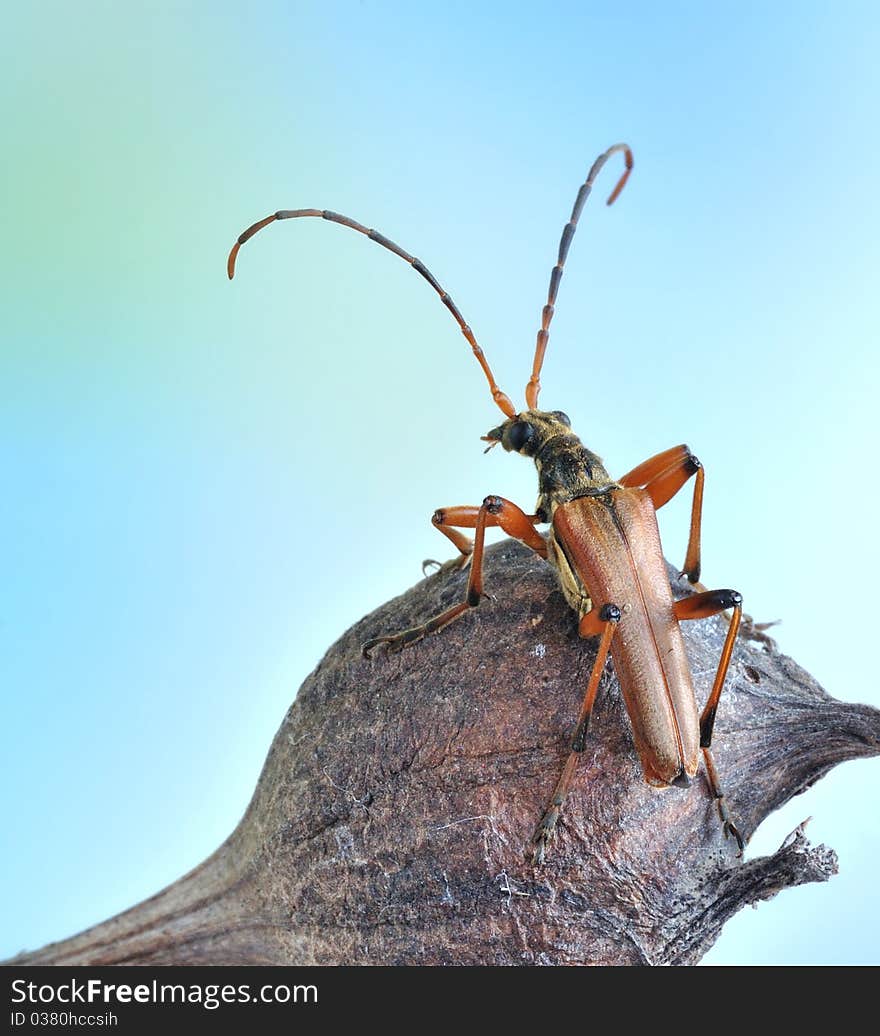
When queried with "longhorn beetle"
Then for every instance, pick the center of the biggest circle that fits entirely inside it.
(603, 542)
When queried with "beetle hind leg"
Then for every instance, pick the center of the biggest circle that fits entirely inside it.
(603, 621)
(703, 606)
(727, 823)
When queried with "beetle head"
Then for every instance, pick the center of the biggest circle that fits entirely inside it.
(527, 432)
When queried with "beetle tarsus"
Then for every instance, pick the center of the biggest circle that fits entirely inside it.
(727, 822)
(456, 564)
(538, 854)
(751, 630)
(397, 642)
(371, 645)
(543, 835)
(731, 829)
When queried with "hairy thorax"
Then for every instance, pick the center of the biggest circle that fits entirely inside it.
(568, 471)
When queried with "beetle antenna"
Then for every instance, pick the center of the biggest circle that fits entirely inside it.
(500, 398)
(534, 384)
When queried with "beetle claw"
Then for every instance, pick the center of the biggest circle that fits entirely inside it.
(392, 645)
(371, 645)
(538, 848)
(731, 829)
(453, 565)
(543, 836)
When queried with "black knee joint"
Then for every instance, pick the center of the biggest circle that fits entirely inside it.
(473, 597)
(493, 504)
(692, 465)
(693, 574)
(706, 728)
(729, 599)
(609, 613)
(438, 517)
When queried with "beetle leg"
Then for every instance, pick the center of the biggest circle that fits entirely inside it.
(464, 544)
(602, 620)
(727, 823)
(662, 477)
(702, 606)
(495, 511)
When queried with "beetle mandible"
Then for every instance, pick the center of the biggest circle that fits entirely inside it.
(604, 543)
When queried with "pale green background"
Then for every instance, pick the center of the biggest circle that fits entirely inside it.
(205, 483)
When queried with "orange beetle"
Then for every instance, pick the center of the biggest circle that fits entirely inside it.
(604, 543)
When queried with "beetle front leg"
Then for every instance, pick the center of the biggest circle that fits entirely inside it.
(603, 621)
(509, 517)
(495, 511)
(465, 546)
(703, 606)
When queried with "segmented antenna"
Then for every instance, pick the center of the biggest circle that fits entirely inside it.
(534, 384)
(500, 398)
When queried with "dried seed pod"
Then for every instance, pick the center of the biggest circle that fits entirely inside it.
(390, 821)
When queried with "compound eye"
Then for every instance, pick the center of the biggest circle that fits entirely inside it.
(562, 418)
(519, 434)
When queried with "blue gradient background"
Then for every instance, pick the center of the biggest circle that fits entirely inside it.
(205, 483)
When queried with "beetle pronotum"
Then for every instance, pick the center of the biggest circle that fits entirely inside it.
(603, 542)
